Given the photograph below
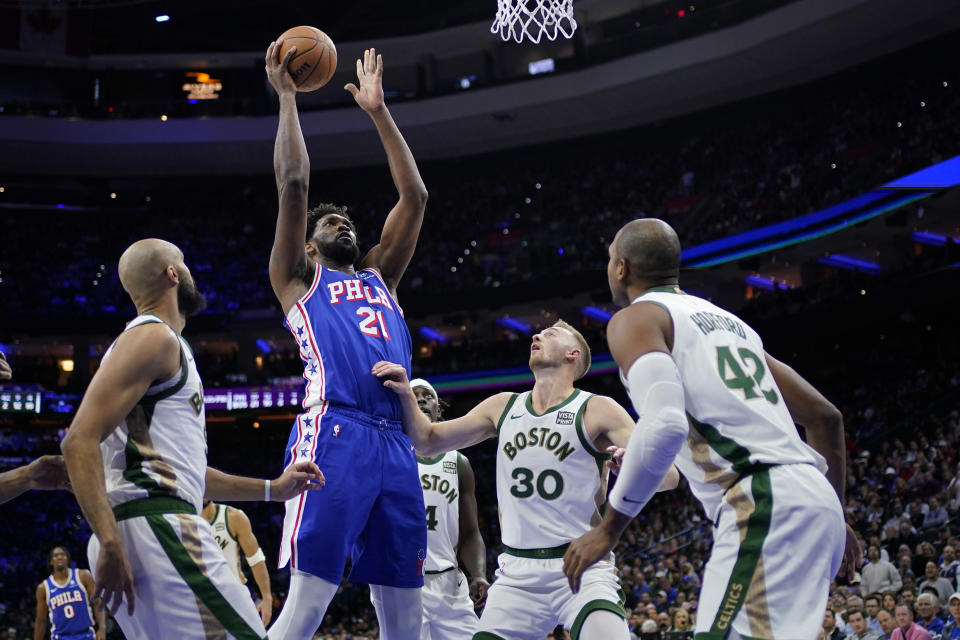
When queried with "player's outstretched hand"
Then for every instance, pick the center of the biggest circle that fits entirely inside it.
(277, 72)
(369, 95)
(852, 555)
(614, 463)
(48, 472)
(478, 593)
(394, 377)
(295, 479)
(585, 551)
(114, 579)
(5, 371)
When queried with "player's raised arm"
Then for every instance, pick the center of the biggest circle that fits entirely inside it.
(433, 438)
(140, 356)
(46, 472)
(470, 549)
(291, 165)
(398, 240)
(40, 621)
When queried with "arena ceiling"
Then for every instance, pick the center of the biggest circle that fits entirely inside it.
(130, 26)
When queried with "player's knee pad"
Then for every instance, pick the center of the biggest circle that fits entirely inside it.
(399, 611)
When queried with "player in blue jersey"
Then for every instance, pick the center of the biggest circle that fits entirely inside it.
(65, 599)
(345, 318)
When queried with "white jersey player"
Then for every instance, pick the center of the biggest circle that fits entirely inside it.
(234, 535)
(551, 483)
(136, 456)
(713, 403)
(453, 537)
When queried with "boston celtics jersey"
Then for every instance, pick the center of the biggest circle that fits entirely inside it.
(736, 412)
(226, 540)
(440, 479)
(551, 480)
(160, 448)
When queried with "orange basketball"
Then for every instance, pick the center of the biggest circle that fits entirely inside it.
(313, 64)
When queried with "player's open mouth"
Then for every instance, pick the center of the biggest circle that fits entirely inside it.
(534, 348)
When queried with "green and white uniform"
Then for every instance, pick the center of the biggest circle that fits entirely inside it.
(155, 467)
(447, 608)
(551, 486)
(776, 515)
(228, 542)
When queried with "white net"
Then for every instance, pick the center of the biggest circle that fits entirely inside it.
(533, 20)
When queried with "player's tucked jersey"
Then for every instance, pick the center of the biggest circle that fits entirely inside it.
(160, 448)
(736, 412)
(440, 479)
(226, 540)
(344, 325)
(69, 607)
(551, 480)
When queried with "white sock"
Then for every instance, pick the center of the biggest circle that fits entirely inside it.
(399, 611)
(303, 611)
(601, 624)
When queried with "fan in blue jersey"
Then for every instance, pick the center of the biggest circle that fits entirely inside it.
(344, 317)
(65, 599)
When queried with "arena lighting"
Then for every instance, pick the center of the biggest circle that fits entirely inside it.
(812, 235)
(850, 264)
(596, 313)
(263, 345)
(162, 18)
(66, 365)
(546, 65)
(432, 334)
(516, 325)
(942, 175)
(925, 237)
(761, 283)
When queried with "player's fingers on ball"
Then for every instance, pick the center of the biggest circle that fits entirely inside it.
(286, 57)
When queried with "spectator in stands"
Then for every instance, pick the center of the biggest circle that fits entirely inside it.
(649, 626)
(933, 579)
(879, 575)
(663, 621)
(681, 620)
(858, 626)
(889, 601)
(871, 607)
(907, 629)
(905, 566)
(887, 623)
(951, 630)
(936, 516)
(830, 630)
(928, 608)
(949, 565)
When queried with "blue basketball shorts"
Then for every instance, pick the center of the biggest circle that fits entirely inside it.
(371, 508)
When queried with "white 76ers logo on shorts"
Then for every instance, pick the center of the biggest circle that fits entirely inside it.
(336, 430)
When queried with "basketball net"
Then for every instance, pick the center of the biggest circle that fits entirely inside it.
(533, 19)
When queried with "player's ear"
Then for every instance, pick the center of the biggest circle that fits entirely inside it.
(171, 274)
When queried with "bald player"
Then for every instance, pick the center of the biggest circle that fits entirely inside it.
(712, 402)
(136, 456)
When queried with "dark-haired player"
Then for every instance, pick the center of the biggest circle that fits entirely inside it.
(64, 598)
(344, 315)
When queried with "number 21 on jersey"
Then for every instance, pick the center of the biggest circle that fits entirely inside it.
(373, 323)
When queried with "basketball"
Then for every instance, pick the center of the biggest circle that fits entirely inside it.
(313, 64)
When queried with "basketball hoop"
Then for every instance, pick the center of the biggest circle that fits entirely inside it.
(533, 19)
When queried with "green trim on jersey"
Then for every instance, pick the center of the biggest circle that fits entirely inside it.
(506, 410)
(134, 472)
(730, 450)
(582, 435)
(152, 506)
(198, 581)
(758, 526)
(672, 288)
(486, 635)
(433, 460)
(529, 404)
(154, 398)
(226, 521)
(538, 554)
(590, 607)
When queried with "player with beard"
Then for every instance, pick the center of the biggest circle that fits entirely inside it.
(551, 488)
(453, 537)
(344, 317)
(136, 456)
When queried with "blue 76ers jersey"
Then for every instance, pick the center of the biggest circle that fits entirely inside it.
(344, 325)
(69, 607)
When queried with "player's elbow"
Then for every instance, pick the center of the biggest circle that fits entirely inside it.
(293, 181)
(416, 196)
(826, 419)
